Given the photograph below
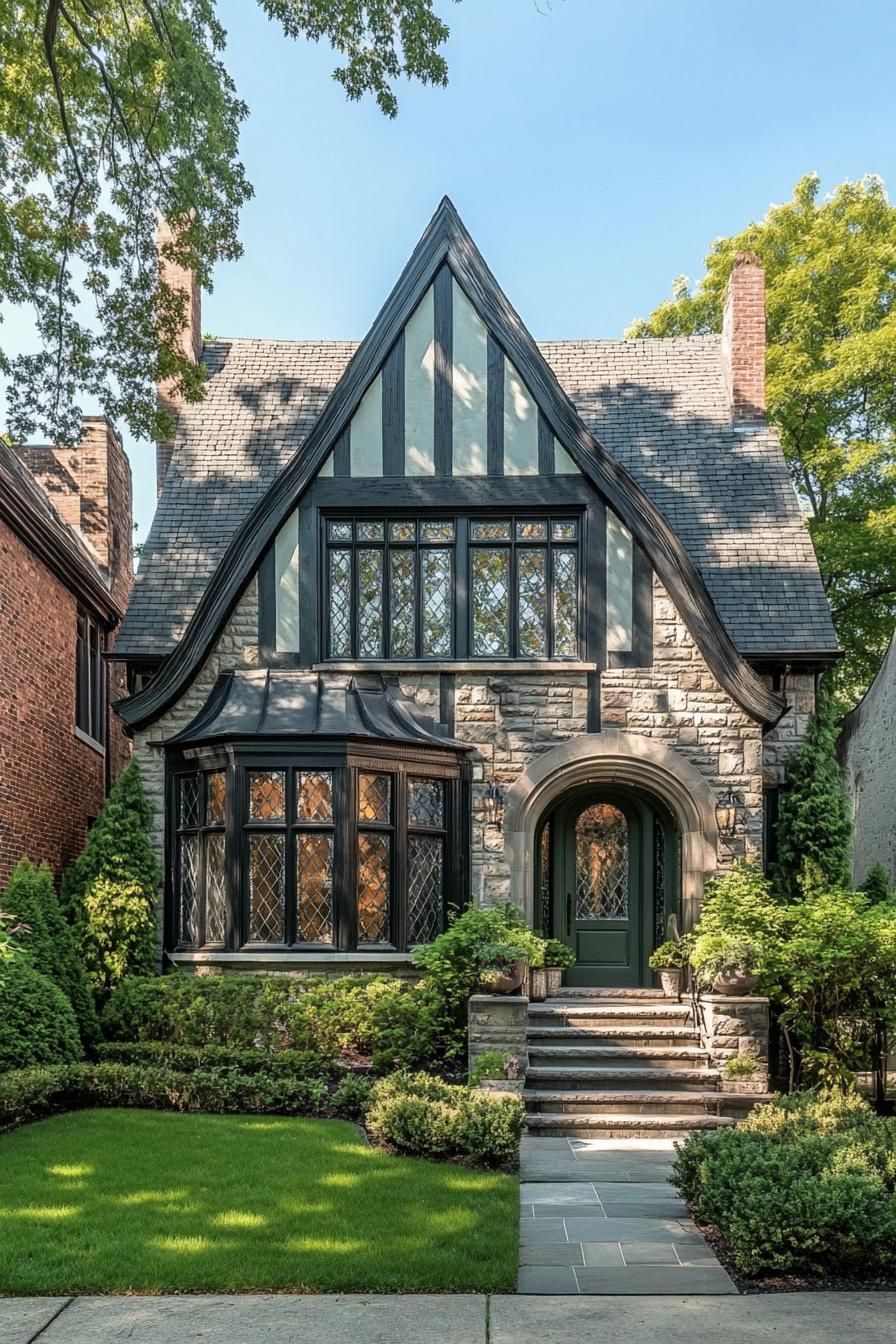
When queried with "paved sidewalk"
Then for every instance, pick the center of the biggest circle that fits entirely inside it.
(599, 1216)
(799, 1318)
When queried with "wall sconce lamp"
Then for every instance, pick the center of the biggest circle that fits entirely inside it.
(494, 805)
(726, 815)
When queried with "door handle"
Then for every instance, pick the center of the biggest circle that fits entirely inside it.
(568, 914)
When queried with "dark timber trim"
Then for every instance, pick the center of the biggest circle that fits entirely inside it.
(393, 410)
(342, 454)
(545, 447)
(443, 333)
(447, 241)
(593, 709)
(447, 692)
(495, 411)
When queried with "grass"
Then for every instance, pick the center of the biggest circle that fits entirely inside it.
(116, 1201)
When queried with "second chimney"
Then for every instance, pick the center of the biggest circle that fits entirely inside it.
(178, 277)
(743, 337)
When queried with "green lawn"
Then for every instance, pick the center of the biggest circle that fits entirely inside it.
(117, 1201)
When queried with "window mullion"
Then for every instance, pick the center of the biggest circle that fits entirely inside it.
(399, 893)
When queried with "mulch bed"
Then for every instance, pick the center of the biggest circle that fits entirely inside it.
(791, 1283)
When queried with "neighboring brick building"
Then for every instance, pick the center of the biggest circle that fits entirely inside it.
(867, 750)
(395, 590)
(65, 577)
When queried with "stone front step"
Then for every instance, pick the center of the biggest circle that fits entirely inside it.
(622, 1125)
(548, 1102)
(628, 995)
(599, 1011)
(634, 1077)
(659, 1056)
(599, 1034)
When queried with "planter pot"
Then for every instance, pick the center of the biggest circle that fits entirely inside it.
(670, 980)
(735, 982)
(505, 981)
(502, 1087)
(538, 983)
(554, 977)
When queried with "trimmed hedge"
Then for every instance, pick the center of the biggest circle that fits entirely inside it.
(37, 1022)
(804, 1185)
(183, 1058)
(419, 1114)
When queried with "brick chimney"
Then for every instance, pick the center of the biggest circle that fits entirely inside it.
(169, 395)
(743, 337)
(89, 486)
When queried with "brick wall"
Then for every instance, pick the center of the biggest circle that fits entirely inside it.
(743, 337)
(50, 781)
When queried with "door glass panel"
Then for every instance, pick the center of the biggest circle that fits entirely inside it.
(601, 863)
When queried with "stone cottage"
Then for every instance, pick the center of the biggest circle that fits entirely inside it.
(451, 615)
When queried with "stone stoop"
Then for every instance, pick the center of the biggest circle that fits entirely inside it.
(623, 1064)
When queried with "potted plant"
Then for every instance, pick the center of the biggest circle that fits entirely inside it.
(669, 959)
(557, 957)
(743, 1073)
(538, 976)
(726, 963)
(497, 1072)
(503, 967)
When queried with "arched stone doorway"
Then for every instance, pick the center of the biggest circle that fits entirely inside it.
(616, 803)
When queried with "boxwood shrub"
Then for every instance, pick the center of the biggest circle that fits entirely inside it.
(804, 1185)
(419, 1114)
(37, 1022)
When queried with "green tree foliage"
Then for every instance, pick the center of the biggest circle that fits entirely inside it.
(877, 885)
(47, 939)
(830, 270)
(37, 1024)
(109, 116)
(814, 825)
(109, 893)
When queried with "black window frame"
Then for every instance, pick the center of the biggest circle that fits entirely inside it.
(202, 829)
(345, 765)
(90, 679)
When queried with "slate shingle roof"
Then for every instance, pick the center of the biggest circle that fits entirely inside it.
(659, 406)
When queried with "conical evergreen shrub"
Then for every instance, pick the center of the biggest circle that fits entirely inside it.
(877, 885)
(814, 824)
(109, 893)
(47, 939)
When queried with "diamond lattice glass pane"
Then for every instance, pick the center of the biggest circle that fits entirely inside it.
(267, 792)
(544, 856)
(216, 798)
(215, 899)
(490, 531)
(374, 797)
(402, 603)
(437, 604)
(532, 602)
(370, 531)
(266, 888)
(370, 604)
(374, 863)
(314, 888)
(402, 531)
(338, 531)
(563, 529)
(437, 531)
(426, 802)
(491, 607)
(601, 863)
(659, 882)
(189, 888)
(531, 531)
(314, 795)
(340, 642)
(189, 801)
(566, 604)
(425, 876)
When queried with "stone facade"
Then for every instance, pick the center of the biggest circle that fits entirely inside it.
(498, 1022)
(868, 753)
(735, 1027)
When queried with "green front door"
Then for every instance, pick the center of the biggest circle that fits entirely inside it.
(600, 883)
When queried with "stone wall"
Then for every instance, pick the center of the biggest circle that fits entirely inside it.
(868, 753)
(498, 1022)
(735, 1027)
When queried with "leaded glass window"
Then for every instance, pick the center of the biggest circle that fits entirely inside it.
(314, 886)
(266, 887)
(201, 808)
(490, 578)
(374, 886)
(524, 588)
(601, 863)
(426, 859)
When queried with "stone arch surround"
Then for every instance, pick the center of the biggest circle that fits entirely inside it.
(604, 759)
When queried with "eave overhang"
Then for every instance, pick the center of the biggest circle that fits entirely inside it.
(446, 241)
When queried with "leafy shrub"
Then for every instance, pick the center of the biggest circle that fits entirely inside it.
(558, 954)
(419, 1114)
(669, 956)
(814, 819)
(109, 893)
(182, 1058)
(877, 885)
(37, 1023)
(741, 1066)
(715, 954)
(45, 936)
(243, 1011)
(494, 1064)
(804, 1185)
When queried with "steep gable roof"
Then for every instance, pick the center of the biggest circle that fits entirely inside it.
(445, 242)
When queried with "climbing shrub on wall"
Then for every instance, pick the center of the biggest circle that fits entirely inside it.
(109, 893)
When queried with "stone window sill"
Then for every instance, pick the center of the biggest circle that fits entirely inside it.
(90, 741)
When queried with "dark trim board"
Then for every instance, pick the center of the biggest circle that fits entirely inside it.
(447, 241)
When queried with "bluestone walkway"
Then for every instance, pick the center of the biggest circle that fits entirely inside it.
(599, 1216)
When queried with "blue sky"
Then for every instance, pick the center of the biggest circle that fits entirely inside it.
(594, 148)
